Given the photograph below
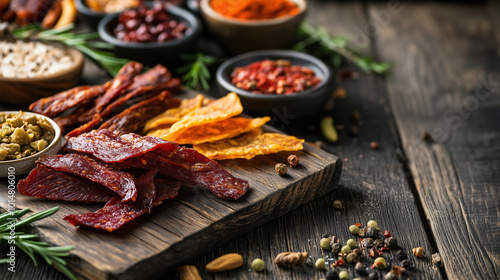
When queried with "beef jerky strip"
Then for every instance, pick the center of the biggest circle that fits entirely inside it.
(80, 116)
(155, 76)
(133, 119)
(165, 189)
(53, 105)
(190, 167)
(122, 100)
(110, 147)
(46, 183)
(115, 214)
(85, 127)
(120, 182)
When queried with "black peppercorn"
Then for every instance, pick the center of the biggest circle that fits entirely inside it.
(367, 242)
(357, 251)
(332, 275)
(371, 232)
(372, 276)
(360, 268)
(401, 255)
(336, 247)
(326, 235)
(378, 242)
(405, 263)
(391, 242)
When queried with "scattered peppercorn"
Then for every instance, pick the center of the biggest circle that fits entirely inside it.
(380, 263)
(258, 265)
(391, 242)
(336, 247)
(367, 242)
(390, 276)
(326, 235)
(357, 251)
(360, 268)
(418, 252)
(371, 232)
(337, 204)
(293, 160)
(346, 249)
(401, 255)
(320, 264)
(351, 243)
(343, 275)
(372, 276)
(325, 243)
(354, 229)
(405, 263)
(332, 275)
(436, 258)
(352, 258)
(427, 138)
(372, 224)
(281, 169)
(378, 242)
(374, 145)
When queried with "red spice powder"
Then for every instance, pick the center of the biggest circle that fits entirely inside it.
(254, 9)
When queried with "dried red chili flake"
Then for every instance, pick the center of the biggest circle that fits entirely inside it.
(274, 77)
(340, 262)
(374, 253)
(387, 234)
(358, 224)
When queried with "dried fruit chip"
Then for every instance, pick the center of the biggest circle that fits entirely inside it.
(218, 110)
(160, 131)
(173, 115)
(224, 129)
(249, 145)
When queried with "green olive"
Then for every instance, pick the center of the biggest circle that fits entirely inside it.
(325, 243)
(320, 264)
(258, 265)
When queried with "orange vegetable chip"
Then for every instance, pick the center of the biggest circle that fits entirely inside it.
(173, 115)
(218, 110)
(249, 145)
(159, 132)
(224, 129)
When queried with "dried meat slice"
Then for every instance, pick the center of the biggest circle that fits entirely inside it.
(115, 213)
(46, 183)
(190, 167)
(224, 129)
(133, 118)
(120, 182)
(218, 110)
(110, 147)
(165, 189)
(249, 145)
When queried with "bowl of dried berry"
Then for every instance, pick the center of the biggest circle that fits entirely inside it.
(248, 25)
(153, 33)
(25, 136)
(30, 70)
(277, 82)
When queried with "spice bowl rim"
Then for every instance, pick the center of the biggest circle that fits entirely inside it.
(82, 7)
(24, 165)
(205, 8)
(194, 31)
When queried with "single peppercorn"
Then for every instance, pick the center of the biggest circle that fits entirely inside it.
(281, 169)
(405, 263)
(391, 242)
(320, 264)
(343, 275)
(346, 249)
(351, 243)
(293, 160)
(258, 265)
(336, 247)
(337, 204)
(378, 242)
(325, 243)
(372, 224)
(374, 145)
(401, 255)
(332, 275)
(390, 276)
(372, 276)
(360, 268)
(354, 229)
(367, 242)
(326, 235)
(352, 258)
(372, 232)
(357, 251)
(380, 263)
(362, 232)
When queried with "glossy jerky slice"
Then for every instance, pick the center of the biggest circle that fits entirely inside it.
(46, 183)
(120, 182)
(218, 110)
(165, 189)
(224, 129)
(173, 115)
(249, 146)
(191, 167)
(133, 118)
(109, 147)
(115, 213)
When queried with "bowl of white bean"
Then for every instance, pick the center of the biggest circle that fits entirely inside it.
(30, 70)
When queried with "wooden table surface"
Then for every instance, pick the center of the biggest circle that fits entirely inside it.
(441, 195)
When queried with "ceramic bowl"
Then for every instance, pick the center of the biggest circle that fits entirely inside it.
(23, 91)
(88, 15)
(153, 53)
(300, 104)
(238, 36)
(23, 166)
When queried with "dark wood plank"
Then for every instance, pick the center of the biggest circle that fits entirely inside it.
(446, 82)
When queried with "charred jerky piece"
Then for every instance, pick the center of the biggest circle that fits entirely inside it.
(110, 147)
(165, 189)
(46, 183)
(155, 76)
(133, 118)
(85, 127)
(120, 182)
(189, 166)
(115, 214)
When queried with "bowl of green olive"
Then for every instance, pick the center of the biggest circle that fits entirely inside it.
(24, 137)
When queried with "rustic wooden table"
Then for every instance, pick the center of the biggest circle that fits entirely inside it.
(441, 195)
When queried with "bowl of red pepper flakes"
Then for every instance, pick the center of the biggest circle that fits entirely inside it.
(277, 82)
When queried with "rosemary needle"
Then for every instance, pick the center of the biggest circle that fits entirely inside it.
(196, 70)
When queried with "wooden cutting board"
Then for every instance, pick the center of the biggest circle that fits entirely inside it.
(194, 223)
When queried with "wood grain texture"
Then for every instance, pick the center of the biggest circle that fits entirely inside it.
(194, 222)
(447, 82)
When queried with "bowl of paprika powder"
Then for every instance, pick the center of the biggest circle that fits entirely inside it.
(247, 25)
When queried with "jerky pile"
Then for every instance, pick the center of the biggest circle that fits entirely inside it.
(130, 172)
(146, 95)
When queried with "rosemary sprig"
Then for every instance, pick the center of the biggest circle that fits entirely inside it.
(319, 42)
(80, 42)
(197, 73)
(27, 243)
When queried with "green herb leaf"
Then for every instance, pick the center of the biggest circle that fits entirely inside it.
(196, 70)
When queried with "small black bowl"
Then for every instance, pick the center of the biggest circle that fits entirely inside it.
(300, 104)
(166, 53)
(90, 16)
